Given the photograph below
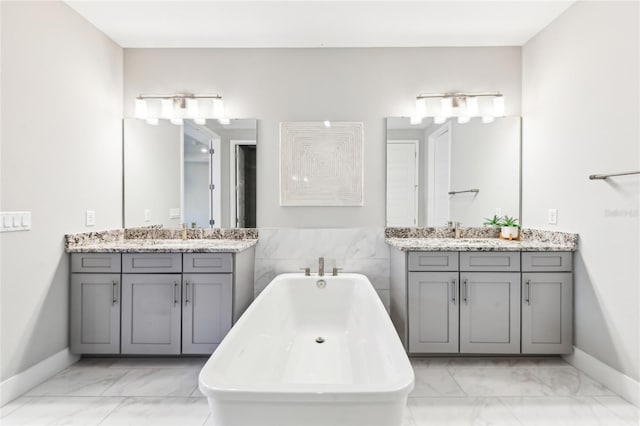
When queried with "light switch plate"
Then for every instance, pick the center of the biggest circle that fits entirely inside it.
(15, 221)
(147, 215)
(174, 213)
(90, 217)
(553, 216)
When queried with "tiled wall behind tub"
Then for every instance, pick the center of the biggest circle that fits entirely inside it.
(361, 250)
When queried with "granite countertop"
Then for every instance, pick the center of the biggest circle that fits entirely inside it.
(158, 240)
(164, 245)
(478, 239)
(475, 244)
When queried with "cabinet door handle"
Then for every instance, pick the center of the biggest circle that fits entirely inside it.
(528, 296)
(453, 291)
(175, 293)
(466, 291)
(115, 292)
(186, 293)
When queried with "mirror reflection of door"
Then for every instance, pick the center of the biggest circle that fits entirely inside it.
(243, 183)
(402, 182)
(439, 145)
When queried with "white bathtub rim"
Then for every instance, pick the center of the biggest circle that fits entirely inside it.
(400, 387)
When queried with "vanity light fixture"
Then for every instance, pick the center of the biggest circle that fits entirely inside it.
(463, 106)
(179, 107)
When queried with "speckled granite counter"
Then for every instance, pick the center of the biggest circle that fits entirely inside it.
(477, 239)
(154, 240)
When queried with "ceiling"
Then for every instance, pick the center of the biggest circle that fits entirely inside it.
(319, 23)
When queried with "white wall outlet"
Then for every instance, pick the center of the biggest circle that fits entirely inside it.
(174, 213)
(147, 215)
(552, 216)
(90, 217)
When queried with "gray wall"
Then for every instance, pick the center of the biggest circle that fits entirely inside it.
(367, 85)
(61, 154)
(580, 108)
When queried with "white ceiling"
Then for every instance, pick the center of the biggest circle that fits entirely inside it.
(320, 23)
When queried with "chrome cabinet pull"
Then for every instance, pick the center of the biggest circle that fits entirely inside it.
(453, 291)
(115, 292)
(528, 297)
(175, 293)
(466, 291)
(186, 293)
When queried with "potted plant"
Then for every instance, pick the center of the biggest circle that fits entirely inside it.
(509, 228)
(493, 222)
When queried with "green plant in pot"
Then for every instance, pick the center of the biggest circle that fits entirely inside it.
(509, 228)
(494, 221)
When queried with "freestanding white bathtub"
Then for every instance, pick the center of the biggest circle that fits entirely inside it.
(270, 369)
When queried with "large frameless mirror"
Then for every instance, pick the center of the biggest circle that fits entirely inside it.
(201, 175)
(452, 172)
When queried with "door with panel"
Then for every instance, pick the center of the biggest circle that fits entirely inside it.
(206, 311)
(95, 314)
(433, 312)
(151, 313)
(490, 312)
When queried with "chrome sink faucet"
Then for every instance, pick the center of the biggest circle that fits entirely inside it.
(321, 267)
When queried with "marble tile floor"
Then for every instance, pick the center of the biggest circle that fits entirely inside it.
(448, 391)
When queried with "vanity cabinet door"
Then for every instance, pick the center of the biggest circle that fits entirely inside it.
(206, 311)
(433, 312)
(151, 313)
(490, 312)
(95, 314)
(547, 313)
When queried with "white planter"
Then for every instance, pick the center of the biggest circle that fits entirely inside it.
(510, 232)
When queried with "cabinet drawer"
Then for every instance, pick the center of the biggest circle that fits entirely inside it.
(207, 262)
(95, 262)
(433, 261)
(546, 262)
(490, 261)
(151, 262)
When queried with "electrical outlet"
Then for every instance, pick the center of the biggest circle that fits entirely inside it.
(552, 216)
(147, 215)
(174, 213)
(90, 217)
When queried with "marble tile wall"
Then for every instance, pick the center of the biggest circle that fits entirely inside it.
(361, 250)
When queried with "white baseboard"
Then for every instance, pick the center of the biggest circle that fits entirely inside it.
(16, 385)
(618, 382)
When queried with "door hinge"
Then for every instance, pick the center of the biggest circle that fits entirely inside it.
(212, 187)
(212, 222)
(212, 151)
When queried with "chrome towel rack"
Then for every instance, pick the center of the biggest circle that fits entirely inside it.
(604, 176)
(461, 192)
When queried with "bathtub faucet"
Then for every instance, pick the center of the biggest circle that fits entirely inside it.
(321, 267)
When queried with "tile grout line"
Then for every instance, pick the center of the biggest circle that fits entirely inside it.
(610, 410)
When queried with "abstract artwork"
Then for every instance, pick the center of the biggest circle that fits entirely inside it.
(321, 164)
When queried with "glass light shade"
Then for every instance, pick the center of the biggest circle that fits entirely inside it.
(446, 107)
(193, 110)
(464, 119)
(200, 121)
(439, 120)
(327, 123)
(421, 108)
(177, 121)
(472, 106)
(488, 119)
(167, 108)
(218, 108)
(498, 106)
(153, 121)
(142, 111)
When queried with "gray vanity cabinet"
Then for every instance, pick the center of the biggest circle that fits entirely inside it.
(95, 303)
(151, 313)
(433, 312)
(547, 303)
(490, 312)
(207, 301)
(95, 313)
